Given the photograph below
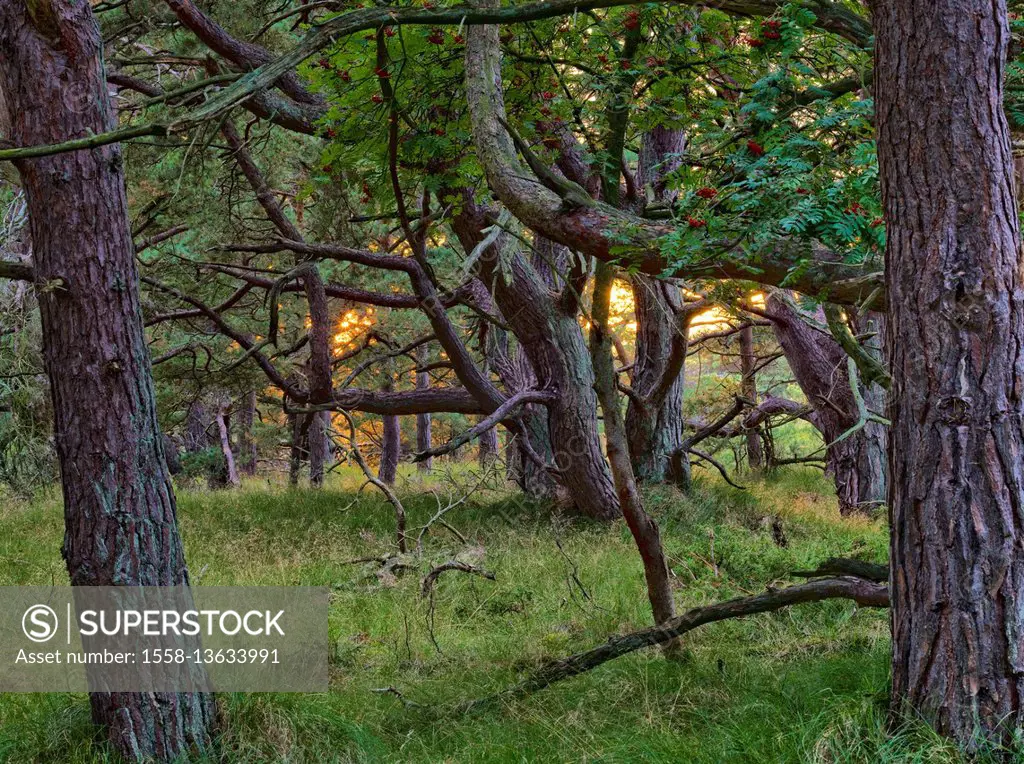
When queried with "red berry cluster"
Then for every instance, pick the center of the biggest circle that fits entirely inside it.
(436, 36)
(389, 31)
(755, 148)
(770, 30)
(632, 20)
(696, 222)
(753, 42)
(377, 98)
(856, 209)
(707, 193)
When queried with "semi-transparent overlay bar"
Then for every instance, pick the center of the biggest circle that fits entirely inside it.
(163, 639)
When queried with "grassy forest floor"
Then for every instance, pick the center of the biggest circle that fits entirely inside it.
(807, 684)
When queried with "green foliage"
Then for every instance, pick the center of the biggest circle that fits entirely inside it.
(198, 464)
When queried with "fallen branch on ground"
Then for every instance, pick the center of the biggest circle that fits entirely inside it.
(841, 566)
(464, 567)
(863, 592)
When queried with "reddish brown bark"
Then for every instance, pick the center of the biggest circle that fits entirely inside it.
(956, 355)
(119, 505)
(819, 365)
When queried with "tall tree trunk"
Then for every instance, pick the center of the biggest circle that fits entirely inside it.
(119, 505)
(655, 431)
(956, 355)
(819, 365)
(424, 422)
(246, 443)
(552, 340)
(748, 366)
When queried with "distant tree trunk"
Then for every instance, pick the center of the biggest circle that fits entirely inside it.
(955, 344)
(171, 455)
(296, 448)
(488, 447)
(391, 445)
(225, 447)
(516, 374)
(197, 422)
(424, 422)
(655, 431)
(820, 368)
(119, 505)
(390, 450)
(748, 370)
(246, 443)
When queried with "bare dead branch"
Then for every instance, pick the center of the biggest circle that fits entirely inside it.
(864, 593)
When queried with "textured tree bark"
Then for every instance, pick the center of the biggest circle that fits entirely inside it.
(655, 431)
(956, 355)
(552, 340)
(424, 422)
(516, 373)
(820, 368)
(748, 370)
(319, 447)
(119, 506)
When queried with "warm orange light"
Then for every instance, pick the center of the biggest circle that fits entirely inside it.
(352, 324)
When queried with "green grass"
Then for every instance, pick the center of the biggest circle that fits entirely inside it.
(807, 684)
